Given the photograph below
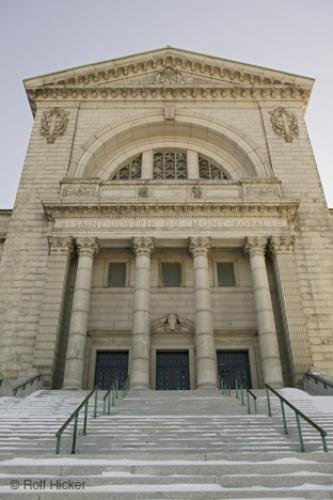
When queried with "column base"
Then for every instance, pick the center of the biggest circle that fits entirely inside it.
(207, 386)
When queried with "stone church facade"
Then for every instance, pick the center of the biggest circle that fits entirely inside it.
(170, 223)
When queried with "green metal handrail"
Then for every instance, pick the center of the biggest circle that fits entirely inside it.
(75, 416)
(321, 380)
(254, 397)
(298, 414)
(24, 384)
(112, 394)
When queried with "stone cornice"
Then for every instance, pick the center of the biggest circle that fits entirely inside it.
(280, 209)
(198, 92)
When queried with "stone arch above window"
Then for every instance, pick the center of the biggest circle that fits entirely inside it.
(209, 170)
(170, 164)
(131, 170)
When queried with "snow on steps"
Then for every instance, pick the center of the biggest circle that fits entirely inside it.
(318, 408)
(159, 445)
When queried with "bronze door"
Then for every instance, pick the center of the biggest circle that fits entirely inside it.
(172, 371)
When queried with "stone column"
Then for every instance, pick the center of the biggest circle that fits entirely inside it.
(87, 248)
(140, 352)
(285, 267)
(268, 341)
(47, 340)
(204, 336)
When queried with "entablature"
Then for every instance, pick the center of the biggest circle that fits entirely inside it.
(151, 191)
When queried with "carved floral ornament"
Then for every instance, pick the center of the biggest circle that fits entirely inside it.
(143, 245)
(59, 245)
(54, 124)
(200, 245)
(87, 246)
(284, 123)
(282, 244)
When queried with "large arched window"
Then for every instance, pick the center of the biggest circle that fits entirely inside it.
(131, 170)
(210, 171)
(170, 165)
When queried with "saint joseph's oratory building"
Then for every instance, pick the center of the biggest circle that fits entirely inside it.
(170, 224)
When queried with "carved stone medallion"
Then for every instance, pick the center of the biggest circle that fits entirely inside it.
(169, 76)
(284, 123)
(54, 124)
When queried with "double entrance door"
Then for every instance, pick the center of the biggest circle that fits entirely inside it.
(234, 365)
(111, 365)
(172, 370)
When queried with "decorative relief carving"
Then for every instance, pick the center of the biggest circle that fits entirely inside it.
(180, 92)
(78, 191)
(172, 323)
(87, 246)
(134, 210)
(284, 123)
(200, 245)
(282, 244)
(169, 112)
(169, 76)
(256, 245)
(143, 192)
(262, 191)
(143, 245)
(54, 124)
(59, 245)
(197, 192)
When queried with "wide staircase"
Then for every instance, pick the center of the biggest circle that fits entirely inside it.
(175, 445)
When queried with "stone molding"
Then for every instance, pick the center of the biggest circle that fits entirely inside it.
(54, 124)
(171, 92)
(143, 245)
(281, 244)
(86, 246)
(199, 245)
(284, 123)
(59, 245)
(256, 245)
(195, 208)
(174, 61)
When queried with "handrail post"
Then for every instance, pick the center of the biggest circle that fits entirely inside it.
(284, 417)
(95, 403)
(324, 441)
(248, 403)
(242, 394)
(268, 402)
(58, 443)
(84, 432)
(299, 430)
(75, 433)
(255, 406)
(109, 402)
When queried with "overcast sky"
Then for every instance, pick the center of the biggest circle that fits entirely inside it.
(41, 36)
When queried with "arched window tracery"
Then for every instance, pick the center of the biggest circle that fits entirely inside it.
(209, 170)
(170, 165)
(130, 171)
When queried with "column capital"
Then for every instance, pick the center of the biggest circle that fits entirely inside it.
(87, 246)
(255, 245)
(282, 244)
(60, 245)
(200, 245)
(143, 245)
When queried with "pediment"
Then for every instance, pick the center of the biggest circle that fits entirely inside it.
(168, 67)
